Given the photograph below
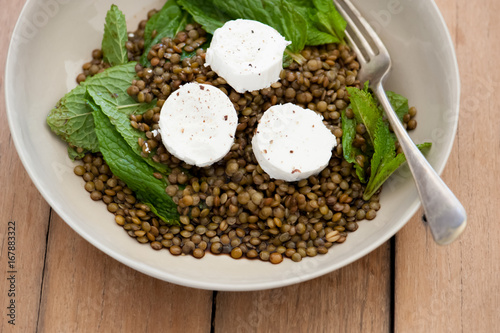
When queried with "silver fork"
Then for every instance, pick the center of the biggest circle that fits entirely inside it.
(445, 215)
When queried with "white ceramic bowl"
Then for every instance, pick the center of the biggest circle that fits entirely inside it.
(51, 42)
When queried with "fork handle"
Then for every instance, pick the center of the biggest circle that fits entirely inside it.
(445, 215)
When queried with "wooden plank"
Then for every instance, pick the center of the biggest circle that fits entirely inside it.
(457, 288)
(84, 290)
(355, 298)
(19, 202)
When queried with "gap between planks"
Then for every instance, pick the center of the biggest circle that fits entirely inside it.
(43, 269)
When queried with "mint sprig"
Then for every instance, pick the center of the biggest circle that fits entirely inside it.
(115, 37)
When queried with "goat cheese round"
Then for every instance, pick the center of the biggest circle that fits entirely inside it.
(247, 54)
(198, 123)
(292, 143)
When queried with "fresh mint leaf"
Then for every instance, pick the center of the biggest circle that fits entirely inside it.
(287, 60)
(366, 86)
(360, 172)
(365, 109)
(324, 23)
(168, 22)
(109, 92)
(279, 14)
(399, 104)
(424, 147)
(133, 170)
(348, 135)
(387, 169)
(288, 21)
(115, 37)
(328, 19)
(383, 159)
(316, 37)
(74, 154)
(383, 145)
(71, 119)
(205, 13)
(350, 152)
(158, 20)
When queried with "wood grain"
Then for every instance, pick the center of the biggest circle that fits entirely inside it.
(355, 298)
(457, 288)
(19, 202)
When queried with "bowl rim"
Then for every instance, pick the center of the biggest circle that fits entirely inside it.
(214, 285)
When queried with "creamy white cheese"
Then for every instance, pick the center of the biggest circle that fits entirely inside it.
(292, 143)
(198, 123)
(247, 54)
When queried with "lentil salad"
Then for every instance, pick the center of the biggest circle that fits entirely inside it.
(234, 207)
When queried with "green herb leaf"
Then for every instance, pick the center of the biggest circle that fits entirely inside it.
(348, 135)
(168, 22)
(424, 147)
(71, 119)
(387, 169)
(279, 14)
(205, 13)
(383, 160)
(109, 92)
(399, 104)
(73, 154)
(366, 86)
(350, 152)
(365, 109)
(329, 20)
(316, 37)
(115, 37)
(324, 23)
(287, 60)
(158, 20)
(288, 21)
(360, 172)
(132, 169)
(383, 145)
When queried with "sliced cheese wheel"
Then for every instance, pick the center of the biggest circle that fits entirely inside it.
(292, 143)
(198, 123)
(247, 54)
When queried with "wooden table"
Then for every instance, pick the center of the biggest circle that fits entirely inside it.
(409, 284)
